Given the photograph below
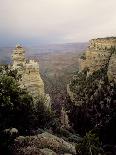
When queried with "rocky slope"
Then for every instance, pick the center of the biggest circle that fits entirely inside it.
(100, 54)
(42, 144)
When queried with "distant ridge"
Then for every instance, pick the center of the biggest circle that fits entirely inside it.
(5, 52)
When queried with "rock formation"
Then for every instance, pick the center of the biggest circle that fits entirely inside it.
(64, 119)
(42, 144)
(30, 76)
(100, 54)
(112, 68)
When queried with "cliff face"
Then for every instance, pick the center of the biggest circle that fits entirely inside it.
(100, 55)
(30, 76)
(112, 68)
(100, 52)
(31, 79)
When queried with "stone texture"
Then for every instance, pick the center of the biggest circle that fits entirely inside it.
(47, 151)
(98, 55)
(30, 76)
(18, 58)
(43, 143)
(112, 68)
(102, 43)
(70, 93)
(31, 79)
(64, 119)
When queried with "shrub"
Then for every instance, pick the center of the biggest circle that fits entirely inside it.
(90, 145)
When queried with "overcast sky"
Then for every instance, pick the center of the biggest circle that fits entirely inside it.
(34, 22)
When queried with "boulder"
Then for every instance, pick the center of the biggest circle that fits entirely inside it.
(42, 144)
(47, 151)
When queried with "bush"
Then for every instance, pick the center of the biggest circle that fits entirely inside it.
(90, 145)
(97, 110)
(18, 109)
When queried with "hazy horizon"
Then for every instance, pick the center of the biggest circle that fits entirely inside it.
(43, 44)
(39, 22)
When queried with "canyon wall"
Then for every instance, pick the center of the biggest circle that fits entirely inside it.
(100, 52)
(100, 55)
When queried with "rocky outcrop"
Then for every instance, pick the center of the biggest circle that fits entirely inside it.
(30, 76)
(100, 54)
(18, 58)
(112, 68)
(102, 43)
(31, 79)
(47, 151)
(42, 144)
(64, 119)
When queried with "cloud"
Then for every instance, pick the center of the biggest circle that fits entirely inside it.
(49, 21)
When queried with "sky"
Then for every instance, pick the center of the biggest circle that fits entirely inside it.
(35, 22)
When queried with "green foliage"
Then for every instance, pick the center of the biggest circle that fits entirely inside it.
(19, 110)
(4, 70)
(68, 135)
(95, 105)
(43, 117)
(113, 50)
(15, 104)
(83, 56)
(90, 145)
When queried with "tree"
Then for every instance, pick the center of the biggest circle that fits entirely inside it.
(17, 107)
(19, 110)
(97, 110)
(90, 145)
(15, 104)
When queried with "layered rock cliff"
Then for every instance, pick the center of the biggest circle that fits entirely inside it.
(100, 53)
(99, 57)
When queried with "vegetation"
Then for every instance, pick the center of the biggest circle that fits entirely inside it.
(83, 56)
(94, 106)
(90, 145)
(18, 110)
(92, 114)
